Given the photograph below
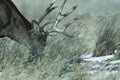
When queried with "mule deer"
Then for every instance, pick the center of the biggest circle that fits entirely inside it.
(33, 35)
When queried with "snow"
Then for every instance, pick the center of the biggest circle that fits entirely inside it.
(98, 66)
(98, 59)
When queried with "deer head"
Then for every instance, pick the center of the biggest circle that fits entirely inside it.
(33, 35)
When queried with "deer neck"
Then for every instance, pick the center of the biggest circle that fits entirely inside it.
(18, 26)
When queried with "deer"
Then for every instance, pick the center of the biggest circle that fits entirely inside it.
(32, 34)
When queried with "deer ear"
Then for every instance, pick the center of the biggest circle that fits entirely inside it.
(36, 26)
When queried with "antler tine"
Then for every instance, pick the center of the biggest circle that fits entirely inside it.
(72, 10)
(70, 22)
(59, 14)
(48, 10)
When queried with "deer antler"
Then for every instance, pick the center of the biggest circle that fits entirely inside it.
(60, 17)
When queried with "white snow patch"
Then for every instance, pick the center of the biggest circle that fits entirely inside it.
(99, 59)
(85, 56)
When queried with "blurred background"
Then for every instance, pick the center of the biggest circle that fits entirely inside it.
(33, 9)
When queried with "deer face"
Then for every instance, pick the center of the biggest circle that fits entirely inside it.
(38, 40)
